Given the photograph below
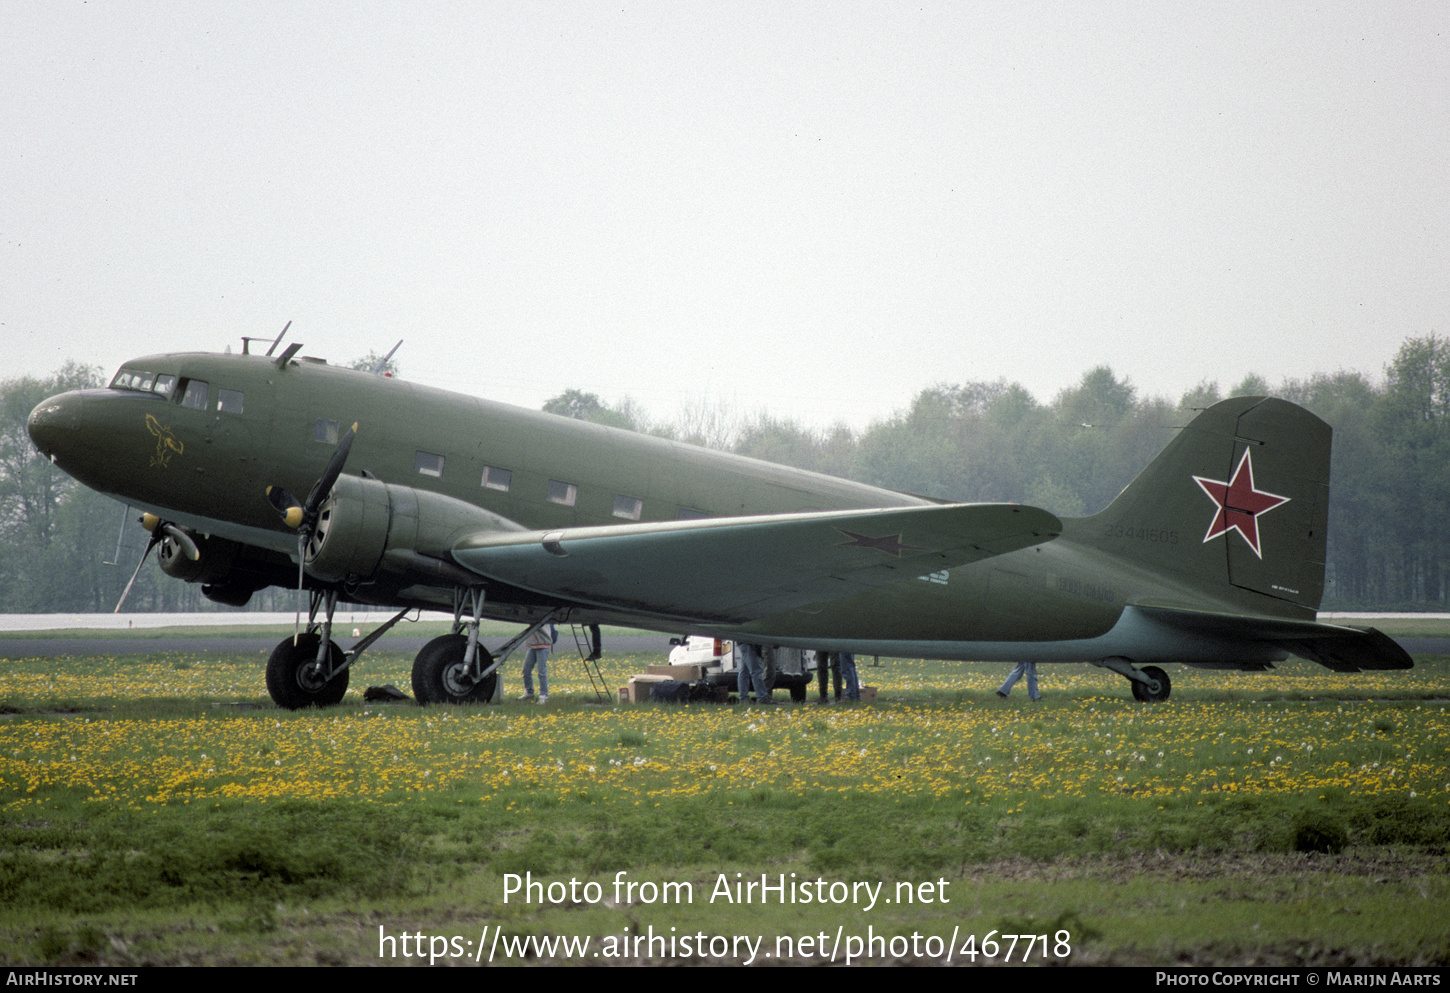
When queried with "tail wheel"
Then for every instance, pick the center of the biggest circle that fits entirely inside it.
(440, 675)
(296, 680)
(1156, 689)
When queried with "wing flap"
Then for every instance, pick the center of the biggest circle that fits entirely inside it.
(737, 569)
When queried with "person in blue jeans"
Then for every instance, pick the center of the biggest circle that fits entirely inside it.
(751, 672)
(848, 675)
(538, 657)
(1030, 670)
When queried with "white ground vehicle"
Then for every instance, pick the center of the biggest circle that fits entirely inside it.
(789, 669)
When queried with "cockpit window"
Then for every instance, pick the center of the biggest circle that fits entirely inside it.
(132, 379)
(229, 401)
(164, 384)
(195, 394)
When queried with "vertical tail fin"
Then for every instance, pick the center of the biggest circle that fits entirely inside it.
(1239, 499)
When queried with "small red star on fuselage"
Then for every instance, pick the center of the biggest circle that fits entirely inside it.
(1239, 504)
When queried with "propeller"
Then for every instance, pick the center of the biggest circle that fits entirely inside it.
(159, 529)
(302, 517)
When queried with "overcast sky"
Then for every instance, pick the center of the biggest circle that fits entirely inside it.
(812, 208)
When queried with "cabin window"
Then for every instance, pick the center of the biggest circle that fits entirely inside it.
(428, 464)
(563, 493)
(195, 394)
(628, 507)
(229, 401)
(164, 385)
(691, 514)
(325, 431)
(495, 478)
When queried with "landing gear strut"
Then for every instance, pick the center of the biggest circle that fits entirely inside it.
(441, 673)
(1150, 684)
(296, 678)
(456, 668)
(310, 670)
(1155, 689)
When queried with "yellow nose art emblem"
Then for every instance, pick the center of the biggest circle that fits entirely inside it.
(166, 443)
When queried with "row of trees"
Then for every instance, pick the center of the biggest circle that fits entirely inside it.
(64, 548)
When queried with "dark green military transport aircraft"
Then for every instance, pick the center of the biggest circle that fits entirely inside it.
(256, 470)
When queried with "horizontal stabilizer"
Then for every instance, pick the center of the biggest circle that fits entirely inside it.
(1334, 646)
(740, 568)
(1367, 648)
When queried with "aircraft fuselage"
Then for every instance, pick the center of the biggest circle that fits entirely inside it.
(197, 438)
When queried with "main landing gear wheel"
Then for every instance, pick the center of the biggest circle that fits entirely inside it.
(440, 676)
(1156, 689)
(295, 680)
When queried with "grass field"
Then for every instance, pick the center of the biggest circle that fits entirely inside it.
(158, 809)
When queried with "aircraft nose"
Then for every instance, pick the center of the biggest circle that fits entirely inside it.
(100, 437)
(71, 429)
(53, 424)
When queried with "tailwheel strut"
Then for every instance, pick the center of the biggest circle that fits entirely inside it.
(1150, 684)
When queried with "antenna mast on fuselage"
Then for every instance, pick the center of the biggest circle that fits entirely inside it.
(247, 341)
(382, 362)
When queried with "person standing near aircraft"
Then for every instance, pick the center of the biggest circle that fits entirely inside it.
(1022, 668)
(540, 643)
(848, 675)
(752, 671)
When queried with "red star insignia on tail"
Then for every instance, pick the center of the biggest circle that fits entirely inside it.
(1239, 504)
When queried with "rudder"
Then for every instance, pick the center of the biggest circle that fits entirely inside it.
(1239, 498)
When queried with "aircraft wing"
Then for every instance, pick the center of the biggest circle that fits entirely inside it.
(1334, 646)
(735, 569)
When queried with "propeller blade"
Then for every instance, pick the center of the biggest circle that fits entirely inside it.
(297, 621)
(296, 514)
(303, 517)
(329, 477)
(156, 536)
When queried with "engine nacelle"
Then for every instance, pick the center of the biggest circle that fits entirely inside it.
(227, 571)
(363, 519)
(213, 564)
